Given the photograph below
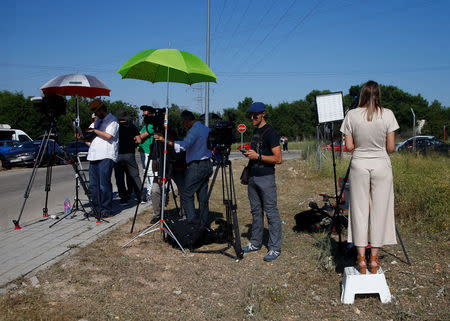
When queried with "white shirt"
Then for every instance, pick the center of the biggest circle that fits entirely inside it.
(101, 148)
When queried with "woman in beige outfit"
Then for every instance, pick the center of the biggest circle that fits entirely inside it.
(369, 133)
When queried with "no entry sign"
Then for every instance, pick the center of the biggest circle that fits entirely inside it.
(242, 128)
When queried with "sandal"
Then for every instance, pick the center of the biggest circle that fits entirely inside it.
(362, 269)
(374, 268)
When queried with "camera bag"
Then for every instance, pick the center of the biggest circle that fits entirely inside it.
(187, 233)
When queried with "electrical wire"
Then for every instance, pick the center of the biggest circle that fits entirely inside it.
(274, 2)
(269, 33)
(237, 27)
(282, 39)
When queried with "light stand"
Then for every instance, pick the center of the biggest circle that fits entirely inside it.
(77, 200)
(162, 223)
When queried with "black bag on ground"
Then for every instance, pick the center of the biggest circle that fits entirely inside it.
(312, 221)
(188, 234)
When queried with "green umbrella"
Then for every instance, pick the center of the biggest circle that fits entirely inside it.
(167, 65)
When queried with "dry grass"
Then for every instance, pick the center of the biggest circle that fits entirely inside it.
(150, 280)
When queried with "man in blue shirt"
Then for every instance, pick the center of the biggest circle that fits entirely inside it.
(199, 167)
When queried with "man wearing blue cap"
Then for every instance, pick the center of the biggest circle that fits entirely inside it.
(265, 152)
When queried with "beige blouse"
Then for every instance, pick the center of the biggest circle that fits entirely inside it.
(369, 137)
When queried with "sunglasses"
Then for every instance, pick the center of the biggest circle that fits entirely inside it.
(253, 115)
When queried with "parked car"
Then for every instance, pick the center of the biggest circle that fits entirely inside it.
(336, 146)
(6, 145)
(8, 133)
(26, 152)
(423, 144)
(81, 146)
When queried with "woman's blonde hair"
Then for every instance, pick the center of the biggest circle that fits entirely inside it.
(370, 97)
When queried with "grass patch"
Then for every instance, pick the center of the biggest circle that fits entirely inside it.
(421, 187)
(151, 280)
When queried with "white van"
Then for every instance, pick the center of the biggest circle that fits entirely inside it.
(6, 133)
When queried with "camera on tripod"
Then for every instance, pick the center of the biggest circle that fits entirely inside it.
(220, 138)
(52, 106)
(155, 117)
(222, 134)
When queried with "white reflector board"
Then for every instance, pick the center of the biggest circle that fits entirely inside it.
(330, 107)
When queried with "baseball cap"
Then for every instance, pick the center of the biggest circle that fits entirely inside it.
(257, 107)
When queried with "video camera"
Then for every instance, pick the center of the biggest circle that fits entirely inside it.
(52, 106)
(222, 134)
(155, 117)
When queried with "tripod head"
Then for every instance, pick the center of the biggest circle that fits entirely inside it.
(221, 154)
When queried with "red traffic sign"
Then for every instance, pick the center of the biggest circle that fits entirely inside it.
(242, 128)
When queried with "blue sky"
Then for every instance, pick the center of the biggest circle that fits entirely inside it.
(272, 51)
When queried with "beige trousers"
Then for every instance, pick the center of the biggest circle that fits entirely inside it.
(371, 202)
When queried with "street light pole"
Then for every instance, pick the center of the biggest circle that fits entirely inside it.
(207, 62)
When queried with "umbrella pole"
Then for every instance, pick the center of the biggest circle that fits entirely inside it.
(165, 151)
(163, 224)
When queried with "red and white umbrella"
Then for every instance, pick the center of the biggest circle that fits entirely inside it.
(76, 85)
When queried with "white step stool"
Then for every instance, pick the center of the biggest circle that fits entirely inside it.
(357, 283)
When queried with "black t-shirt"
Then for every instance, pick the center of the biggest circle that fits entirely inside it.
(270, 139)
(127, 132)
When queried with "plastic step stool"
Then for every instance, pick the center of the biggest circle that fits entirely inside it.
(357, 283)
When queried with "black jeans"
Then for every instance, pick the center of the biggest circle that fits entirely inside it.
(126, 164)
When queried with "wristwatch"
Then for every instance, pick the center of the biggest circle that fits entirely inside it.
(259, 157)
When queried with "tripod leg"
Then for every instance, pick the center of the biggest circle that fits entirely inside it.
(403, 246)
(37, 162)
(213, 181)
(48, 181)
(174, 196)
(233, 203)
(142, 190)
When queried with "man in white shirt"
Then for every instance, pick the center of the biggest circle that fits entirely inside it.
(103, 150)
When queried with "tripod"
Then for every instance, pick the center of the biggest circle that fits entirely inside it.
(229, 200)
(75, 208)
(169, 184)
(78, 176)
(43, 148)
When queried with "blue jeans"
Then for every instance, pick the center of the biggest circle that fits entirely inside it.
(196, 182)
(262, 193)
(100, 184)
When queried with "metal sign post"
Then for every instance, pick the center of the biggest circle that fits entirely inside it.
(242, 128)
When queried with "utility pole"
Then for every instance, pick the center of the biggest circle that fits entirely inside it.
(207, 62)
(414, 130)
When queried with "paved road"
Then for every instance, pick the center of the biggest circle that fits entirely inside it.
(13, 184)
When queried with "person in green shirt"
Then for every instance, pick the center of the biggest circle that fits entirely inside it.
(145, 141)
